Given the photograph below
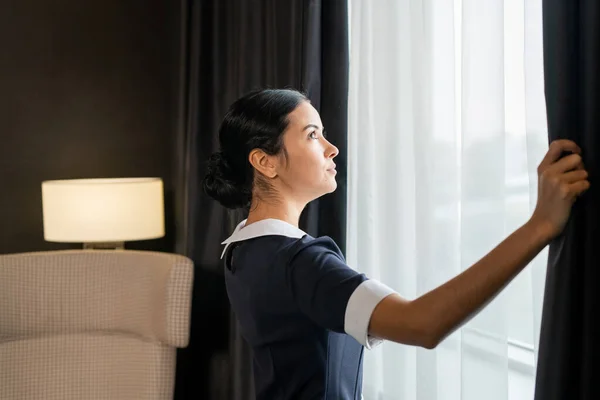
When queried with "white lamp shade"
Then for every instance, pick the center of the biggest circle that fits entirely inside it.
(103, 210)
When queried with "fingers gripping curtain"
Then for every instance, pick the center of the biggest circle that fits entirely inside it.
(569, 348)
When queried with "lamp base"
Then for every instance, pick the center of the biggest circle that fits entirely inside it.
(104, 246)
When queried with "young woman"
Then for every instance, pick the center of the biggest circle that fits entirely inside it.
(307, 315)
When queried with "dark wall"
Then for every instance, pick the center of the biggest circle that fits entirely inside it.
(87, 89)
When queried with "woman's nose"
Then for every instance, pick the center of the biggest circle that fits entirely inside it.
(332, 151)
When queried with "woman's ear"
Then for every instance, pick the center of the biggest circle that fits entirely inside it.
(263, 163)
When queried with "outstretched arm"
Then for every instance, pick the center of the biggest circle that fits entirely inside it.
(429, 319)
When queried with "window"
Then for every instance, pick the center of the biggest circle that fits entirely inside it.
(446, 129)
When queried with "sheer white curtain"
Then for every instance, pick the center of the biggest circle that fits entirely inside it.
(447, 127)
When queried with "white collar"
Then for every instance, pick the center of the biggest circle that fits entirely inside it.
(265, 227)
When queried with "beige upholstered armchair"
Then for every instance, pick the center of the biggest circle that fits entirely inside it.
(89, 325)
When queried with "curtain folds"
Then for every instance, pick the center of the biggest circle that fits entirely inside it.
(447, 127)
(569, 347)
(228, 48)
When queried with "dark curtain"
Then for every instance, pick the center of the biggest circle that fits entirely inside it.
(228, 48)
(569, 356)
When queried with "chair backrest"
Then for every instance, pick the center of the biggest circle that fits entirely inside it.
(92, 324)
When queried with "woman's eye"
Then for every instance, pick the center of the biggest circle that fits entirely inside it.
(313, 135)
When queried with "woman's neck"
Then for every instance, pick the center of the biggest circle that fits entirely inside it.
(283, 210)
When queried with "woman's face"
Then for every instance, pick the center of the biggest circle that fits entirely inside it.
(308, 171)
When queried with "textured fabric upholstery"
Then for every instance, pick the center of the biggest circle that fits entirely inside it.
(92, 324)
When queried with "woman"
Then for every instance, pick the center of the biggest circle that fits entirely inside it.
(306, 314)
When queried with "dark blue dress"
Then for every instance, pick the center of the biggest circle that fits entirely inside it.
(303, 311)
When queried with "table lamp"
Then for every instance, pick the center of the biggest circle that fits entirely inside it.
(103, 213)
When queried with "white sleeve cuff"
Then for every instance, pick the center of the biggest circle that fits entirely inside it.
(359, 309)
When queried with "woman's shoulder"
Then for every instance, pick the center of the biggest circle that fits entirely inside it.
(308, 247)
(277, 248)
(317, 243)
(291, 247)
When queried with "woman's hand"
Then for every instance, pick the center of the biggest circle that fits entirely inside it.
(560, 182)
(431, 317)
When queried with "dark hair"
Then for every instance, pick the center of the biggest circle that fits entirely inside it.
(255, 121)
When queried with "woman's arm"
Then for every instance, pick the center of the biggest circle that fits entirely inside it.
(429, 319)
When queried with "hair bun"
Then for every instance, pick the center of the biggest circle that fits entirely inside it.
(224, 185)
